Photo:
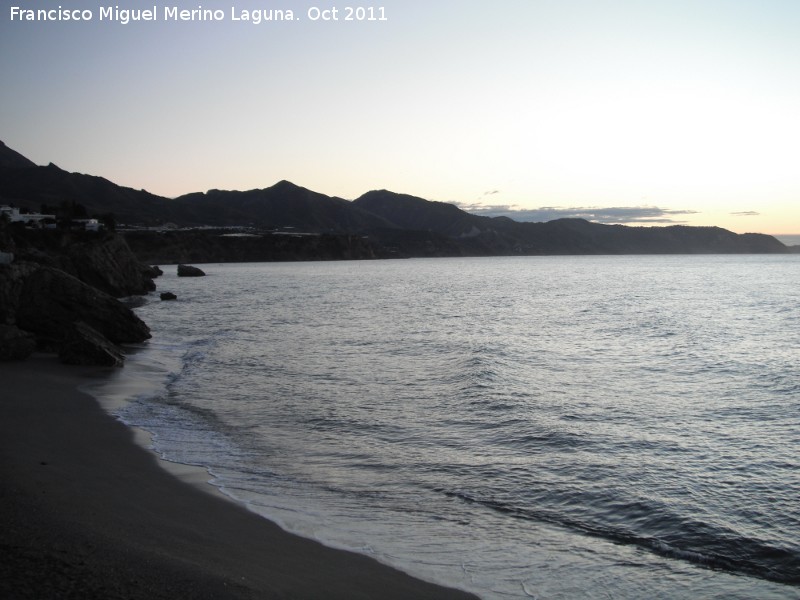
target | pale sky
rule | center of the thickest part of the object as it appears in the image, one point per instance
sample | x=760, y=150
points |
x=681, y=111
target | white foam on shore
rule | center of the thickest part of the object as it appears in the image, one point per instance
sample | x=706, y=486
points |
x=140, y=377
x=146, y=375
x=194, y=475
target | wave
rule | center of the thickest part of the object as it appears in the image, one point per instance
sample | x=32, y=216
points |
x=700, y=544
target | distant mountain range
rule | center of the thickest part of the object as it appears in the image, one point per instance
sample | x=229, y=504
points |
x=395, y=224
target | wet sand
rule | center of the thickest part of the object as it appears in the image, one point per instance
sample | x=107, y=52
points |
x=86, y=513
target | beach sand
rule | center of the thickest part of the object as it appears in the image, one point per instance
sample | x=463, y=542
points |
x=86, y=513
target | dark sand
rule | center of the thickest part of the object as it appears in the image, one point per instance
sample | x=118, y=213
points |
x=86, y=513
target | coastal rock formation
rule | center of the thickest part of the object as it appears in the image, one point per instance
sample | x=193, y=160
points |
x=110, y=266
x=83, y=345
x=57, y=294
x=189, y=271
x=168, y=296
x=51, y=301
x=102, y=260
x=209, y=246
x=12, y=278
x=44, y=304
x=15, y=344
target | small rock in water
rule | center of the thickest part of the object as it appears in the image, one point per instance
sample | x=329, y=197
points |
x=189, y=271
x=168, y=296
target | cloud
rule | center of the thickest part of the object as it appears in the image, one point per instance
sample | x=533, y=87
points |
x=642, y=215
x=746, y=213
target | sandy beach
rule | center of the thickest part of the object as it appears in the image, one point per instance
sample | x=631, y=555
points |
x=88, y=514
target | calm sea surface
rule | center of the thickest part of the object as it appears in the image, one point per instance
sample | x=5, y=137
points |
x=548, y=427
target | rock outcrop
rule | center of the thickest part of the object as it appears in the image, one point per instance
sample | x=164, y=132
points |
x=168, y=296
x=190, y=271
x=102, y=260
x=51, y=301
x=84, y=345
x=109, y=266
x=48, y=304
x=59, y=290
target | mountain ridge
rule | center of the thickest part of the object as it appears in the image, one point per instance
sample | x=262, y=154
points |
x=12, y=158
x=397, y=224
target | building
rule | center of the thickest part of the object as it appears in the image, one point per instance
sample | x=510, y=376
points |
x=30, y=219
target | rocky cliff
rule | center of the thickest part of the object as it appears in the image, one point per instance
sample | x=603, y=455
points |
x=205, y=246
x=59, y=294
x=100, y=259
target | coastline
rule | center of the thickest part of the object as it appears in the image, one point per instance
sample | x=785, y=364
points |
x=88, y=513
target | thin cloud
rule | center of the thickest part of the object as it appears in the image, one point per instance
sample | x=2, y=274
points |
x=746, y=213
x=642, y=215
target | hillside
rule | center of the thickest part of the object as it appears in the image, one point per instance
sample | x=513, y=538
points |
x=389, y=224
x=284, y=205
x=34, y=186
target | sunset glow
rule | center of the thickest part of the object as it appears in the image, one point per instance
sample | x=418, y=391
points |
x=686, y=107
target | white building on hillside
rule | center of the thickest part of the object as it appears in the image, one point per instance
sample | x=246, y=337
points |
x=37, y=219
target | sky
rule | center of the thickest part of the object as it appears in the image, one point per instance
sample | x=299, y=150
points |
x=619, y=111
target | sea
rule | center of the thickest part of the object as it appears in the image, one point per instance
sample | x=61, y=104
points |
x=519, y=427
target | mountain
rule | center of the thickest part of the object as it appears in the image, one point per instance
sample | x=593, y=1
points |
x=13, y=159
x=409, y=212
x=284, y=205
x=503, y=236
x=392, y=224
x=34, y=186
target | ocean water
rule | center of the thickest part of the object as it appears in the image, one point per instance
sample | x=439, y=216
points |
x=789, y=240
x=540, y=427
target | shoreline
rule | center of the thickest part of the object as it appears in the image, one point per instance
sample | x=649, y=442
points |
x=90, y=513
